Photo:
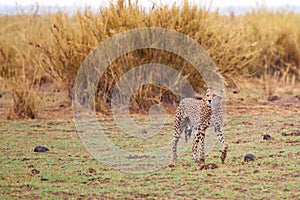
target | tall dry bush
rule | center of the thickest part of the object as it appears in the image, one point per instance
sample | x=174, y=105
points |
x=74, y=37
x=23, y=105
x=19, y=61
x=24, y=98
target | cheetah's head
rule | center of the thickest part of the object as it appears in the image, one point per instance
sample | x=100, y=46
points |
x=212, y=95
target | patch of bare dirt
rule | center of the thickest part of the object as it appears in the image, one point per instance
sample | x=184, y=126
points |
x=53, y=103
x=293, y=101
x=293, y=133
x=284, y=105
x=208, y=166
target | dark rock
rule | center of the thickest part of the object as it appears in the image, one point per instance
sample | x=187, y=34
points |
x=40, y=149
x=249, y=157
x=267, y=137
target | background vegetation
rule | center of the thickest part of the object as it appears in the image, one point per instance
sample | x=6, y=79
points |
x=36, y=48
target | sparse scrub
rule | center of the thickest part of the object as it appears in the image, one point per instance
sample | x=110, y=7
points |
x=24, y=104
x=24, y=99
x=20, y=65
x=278, y=35
x=24, y=94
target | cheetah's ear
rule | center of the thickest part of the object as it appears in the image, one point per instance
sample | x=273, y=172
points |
x=208, y=91
x=222, y=91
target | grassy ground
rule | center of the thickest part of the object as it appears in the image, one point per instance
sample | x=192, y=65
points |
x=69, y=171
x=38, y=51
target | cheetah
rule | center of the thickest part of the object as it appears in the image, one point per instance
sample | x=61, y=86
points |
x=199, y=114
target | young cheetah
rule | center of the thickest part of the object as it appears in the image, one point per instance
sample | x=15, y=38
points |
x=198, y=115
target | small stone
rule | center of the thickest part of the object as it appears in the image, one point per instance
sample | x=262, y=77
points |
x=35, y=171
x=283, y=134
x=91, y=170
x=44, y=179
x=40, y=149
x=30, y=166
x=171, y=165
x=273, y=98
x=295, y=133
x=288, y=124
x=267, y=137
x=249, y=157
x=255, y=171
x=208, y=166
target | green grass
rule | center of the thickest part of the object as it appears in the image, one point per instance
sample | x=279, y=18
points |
x=66, y=170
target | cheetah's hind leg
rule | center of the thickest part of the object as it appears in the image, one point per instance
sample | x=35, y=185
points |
x=187, y=130
x=178, y=128
x=188, y=133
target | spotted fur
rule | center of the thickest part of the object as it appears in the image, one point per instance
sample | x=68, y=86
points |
x=193, y=115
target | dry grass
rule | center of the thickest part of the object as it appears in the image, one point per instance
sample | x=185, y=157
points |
x=24, y=105
x=260, y=43
x=24, y=97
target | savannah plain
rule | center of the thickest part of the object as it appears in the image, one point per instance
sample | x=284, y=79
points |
x=257, y=54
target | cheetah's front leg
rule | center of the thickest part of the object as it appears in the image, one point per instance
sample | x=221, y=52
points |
x=221, y=138
x=199, y=137
x=175, y=141
x=178, y=128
